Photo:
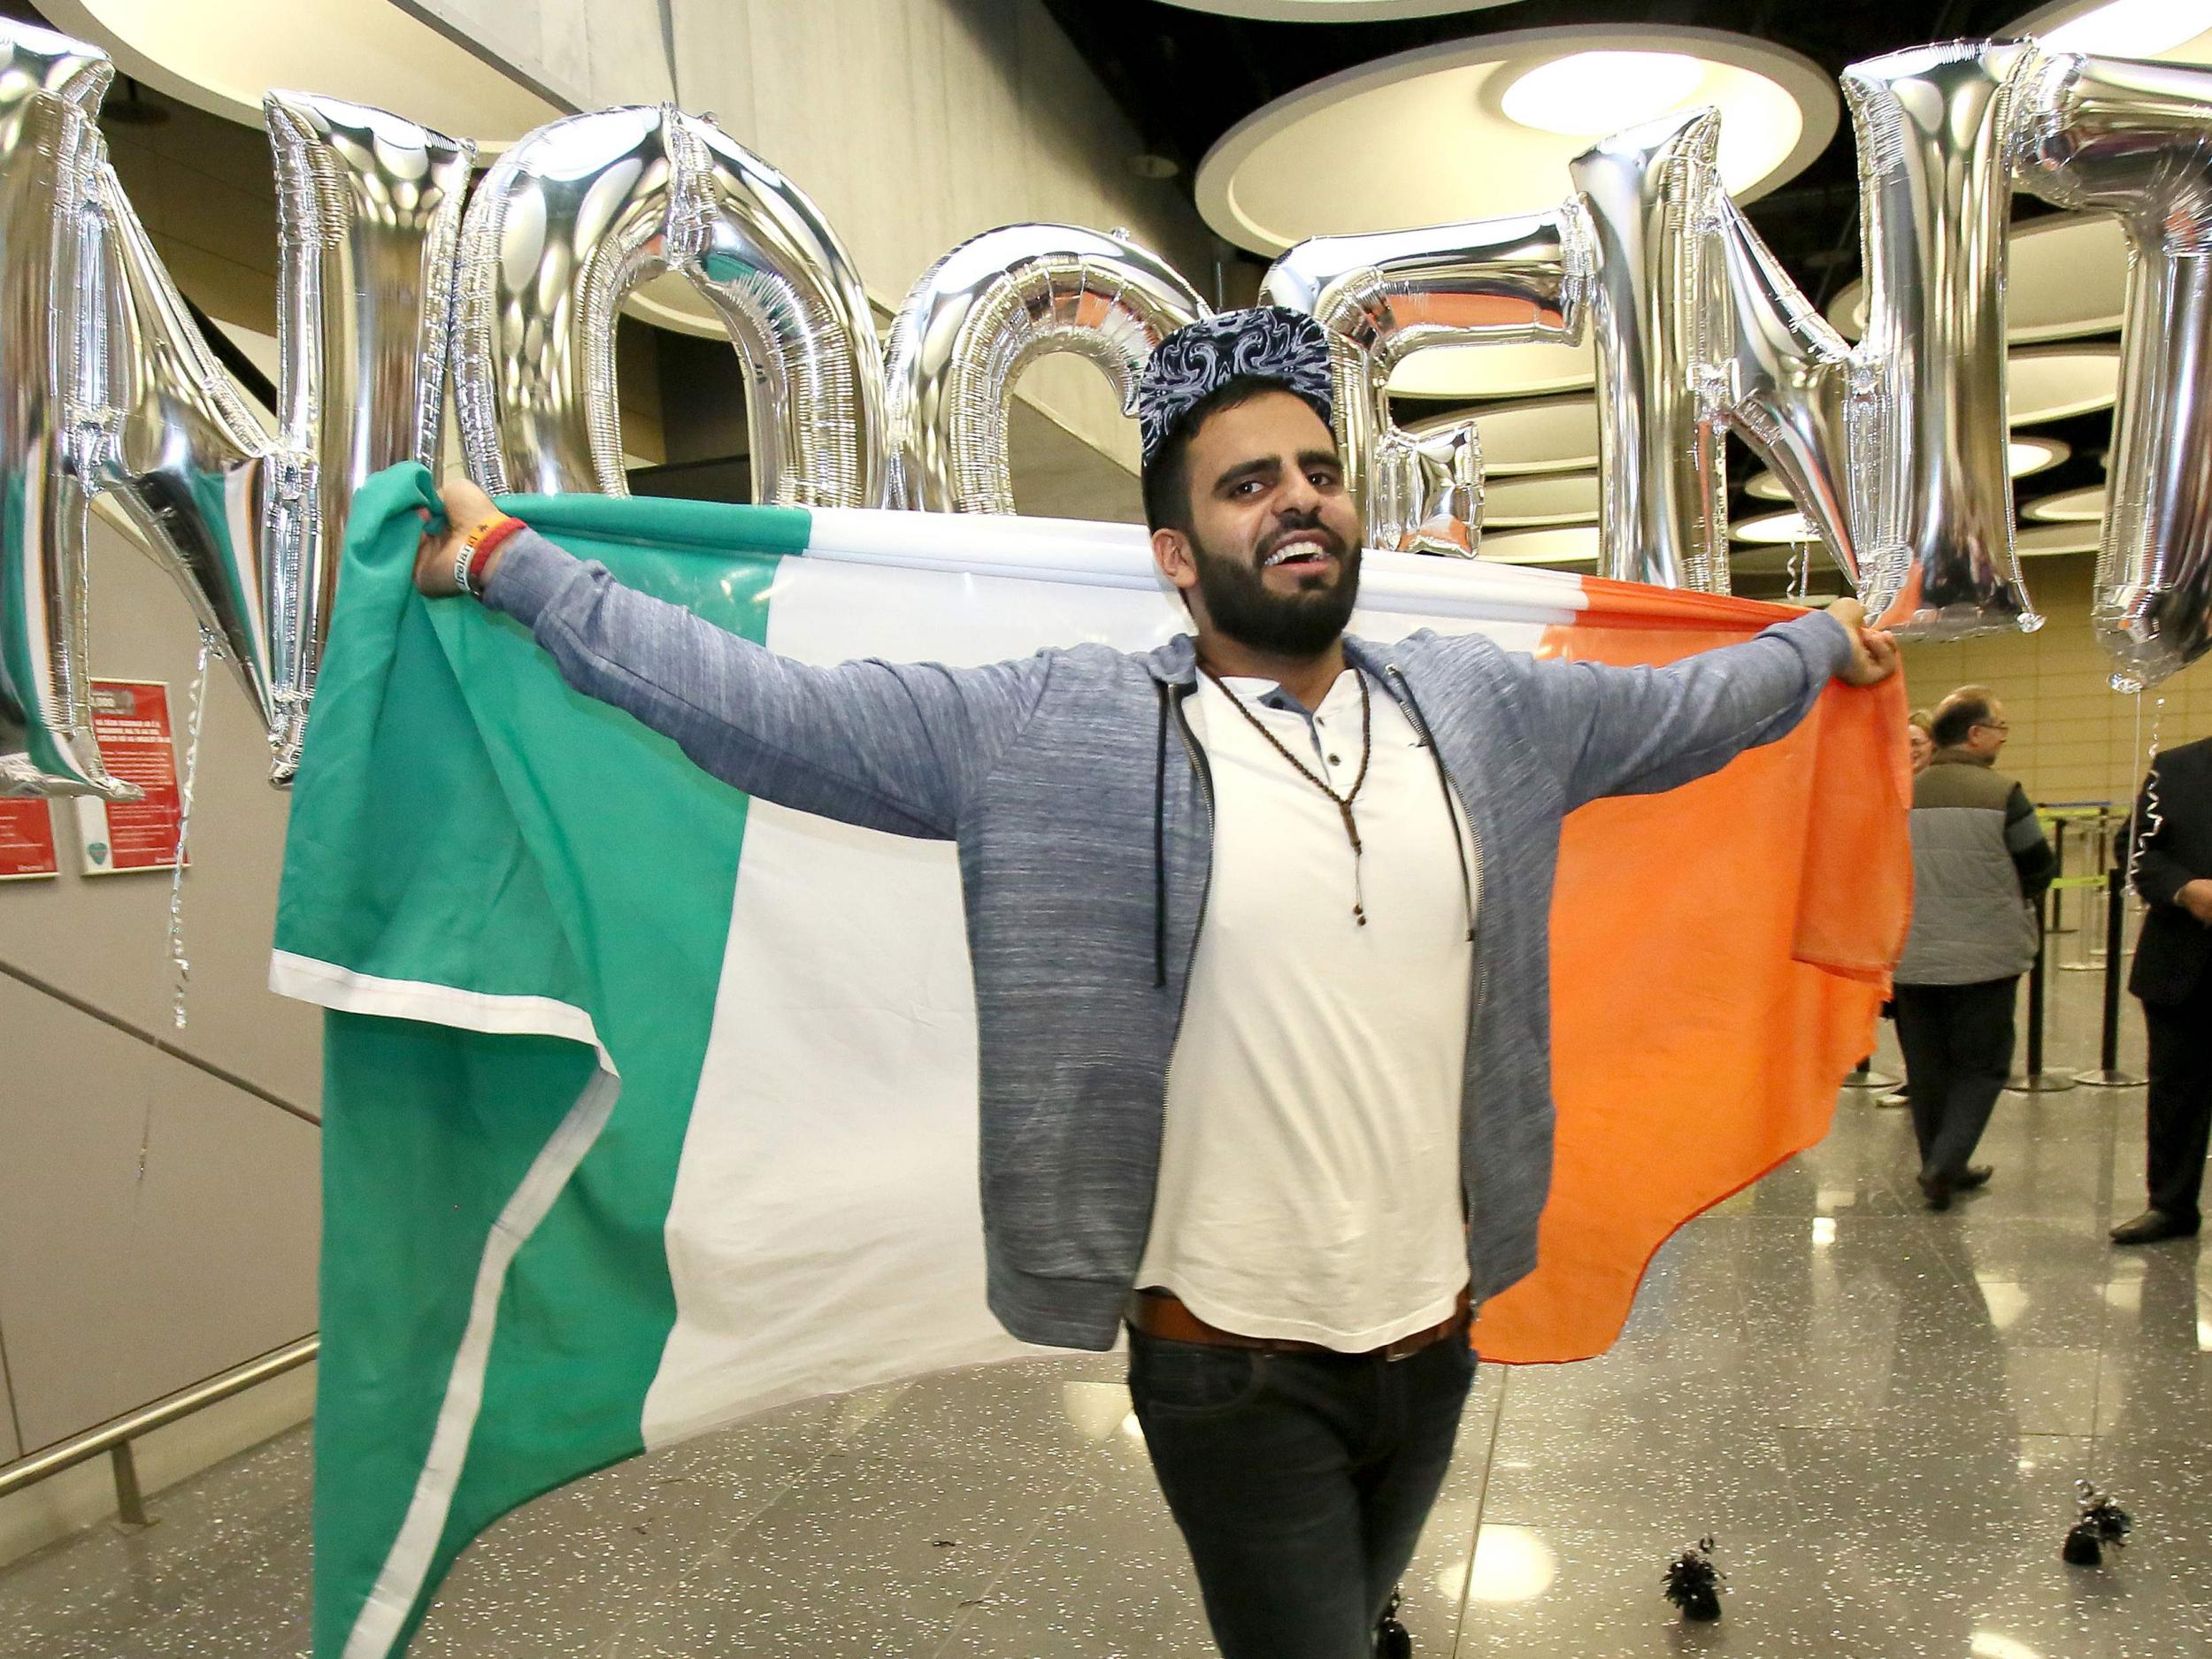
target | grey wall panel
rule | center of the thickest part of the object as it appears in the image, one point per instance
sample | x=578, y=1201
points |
x=157, y=1225
x=104, y=939
x=995, y=118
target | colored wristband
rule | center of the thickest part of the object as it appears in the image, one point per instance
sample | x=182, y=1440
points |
x=477, y=548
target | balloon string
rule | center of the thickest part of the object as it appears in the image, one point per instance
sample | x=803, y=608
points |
x=180, y=964
x=2153, y=816
x=79, y=625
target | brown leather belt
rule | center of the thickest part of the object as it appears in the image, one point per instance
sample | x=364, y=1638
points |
x=1161, y=1313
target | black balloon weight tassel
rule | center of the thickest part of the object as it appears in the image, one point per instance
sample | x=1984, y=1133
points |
x=1693, y=1583
x=1390, y=1640
x=2101, y=1522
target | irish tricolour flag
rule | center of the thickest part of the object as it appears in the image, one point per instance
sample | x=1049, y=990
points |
x=649, y=1106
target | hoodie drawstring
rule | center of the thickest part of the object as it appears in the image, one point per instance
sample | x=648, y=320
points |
x=1444, y=783
x=1159, y=846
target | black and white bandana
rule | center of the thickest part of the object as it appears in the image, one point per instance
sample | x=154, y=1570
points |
x=1266, y=342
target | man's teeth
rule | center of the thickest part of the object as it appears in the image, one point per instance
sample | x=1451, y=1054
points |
x=1295, y=550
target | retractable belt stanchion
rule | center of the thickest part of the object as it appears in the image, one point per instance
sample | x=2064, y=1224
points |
x=2109, y=1075
x=2059, y=823
x=2035, y=1079
x=2089, y=949
x=2107, y=862
x=2062, y=818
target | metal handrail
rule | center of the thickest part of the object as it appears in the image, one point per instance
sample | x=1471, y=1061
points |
x=114, y=1438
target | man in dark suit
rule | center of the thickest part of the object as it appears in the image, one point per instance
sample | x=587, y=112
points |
x=2173, y=872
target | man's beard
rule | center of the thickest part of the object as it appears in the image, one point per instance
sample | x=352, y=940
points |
x=1240, y=602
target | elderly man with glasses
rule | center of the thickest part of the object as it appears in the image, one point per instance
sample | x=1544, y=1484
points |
x=1979, y=865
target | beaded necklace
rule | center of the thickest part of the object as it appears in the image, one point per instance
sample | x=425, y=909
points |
x=1343, y=803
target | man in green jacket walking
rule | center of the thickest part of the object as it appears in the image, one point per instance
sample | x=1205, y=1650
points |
x=1981, y=865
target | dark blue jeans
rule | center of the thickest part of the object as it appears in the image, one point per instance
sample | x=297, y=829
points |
x=1300, y=1480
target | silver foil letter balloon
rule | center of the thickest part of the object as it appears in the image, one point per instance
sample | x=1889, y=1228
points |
x=185, y=458
x=1895, y=450
x=49, y=86
x=1936, y=191
x=1386, y=295
x=368, y=214
x=1662, y=508
x=2135, y=140
x=979, y=315
x=1699, y=332
x=1771, y=369
x=248, y=523
x=1425, y=490
x=582, y=210
x=566, y=223
x=766, y=259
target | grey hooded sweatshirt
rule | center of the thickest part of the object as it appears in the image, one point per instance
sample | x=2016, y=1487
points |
x=1079, y=802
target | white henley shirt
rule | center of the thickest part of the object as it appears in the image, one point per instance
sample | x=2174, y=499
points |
x=1309, y=1169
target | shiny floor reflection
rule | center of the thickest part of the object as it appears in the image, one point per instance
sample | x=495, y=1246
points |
x=1880, y=1413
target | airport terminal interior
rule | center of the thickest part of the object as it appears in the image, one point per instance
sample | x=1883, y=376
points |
x=1877, y=1414
x=472, y=1188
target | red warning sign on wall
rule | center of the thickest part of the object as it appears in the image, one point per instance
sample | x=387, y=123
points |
x=26, y=840
x=130, y=723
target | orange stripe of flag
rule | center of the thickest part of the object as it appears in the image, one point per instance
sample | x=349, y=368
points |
x=1719, y=954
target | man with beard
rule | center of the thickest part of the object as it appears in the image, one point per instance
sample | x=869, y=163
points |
x=1258, y=922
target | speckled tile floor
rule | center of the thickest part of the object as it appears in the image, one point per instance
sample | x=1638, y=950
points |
x=1879, y=1412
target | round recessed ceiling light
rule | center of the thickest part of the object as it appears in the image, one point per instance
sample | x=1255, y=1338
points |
x=2053, y=383
x=2031, y=454
x=2065, y=275
x=1335, y=10
x=362, y=52
x=1470, y=372
x=1774, y=527
x=2038, y=540
x=2124, y=28
x=2071, y=506
x=2070, y=534
x=2025, y=455
x=1591, y=94
x=1540, y=498
x=1424, y=137
x=1576, y=545
x=1550, y=434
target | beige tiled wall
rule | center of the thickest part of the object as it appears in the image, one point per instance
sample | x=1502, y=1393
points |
x=2073, y=737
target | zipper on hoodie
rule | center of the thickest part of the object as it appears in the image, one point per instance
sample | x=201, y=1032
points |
x=1412, y=707
x=1204, y=769
x=1200, y=766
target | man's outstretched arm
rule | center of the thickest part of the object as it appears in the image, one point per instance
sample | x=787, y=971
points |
x=1635, y=731
x=896, y=747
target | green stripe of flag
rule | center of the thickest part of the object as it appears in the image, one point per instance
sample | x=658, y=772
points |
x=507, y=783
